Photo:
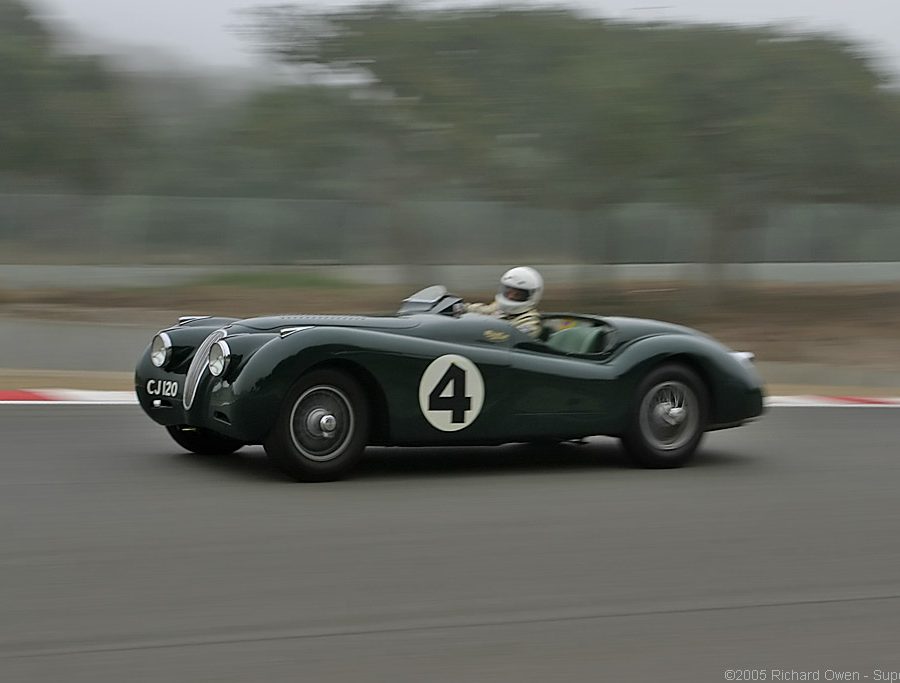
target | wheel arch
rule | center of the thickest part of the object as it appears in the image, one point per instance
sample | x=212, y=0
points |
x=635, y=439
x=695, y=364
x=379, y=424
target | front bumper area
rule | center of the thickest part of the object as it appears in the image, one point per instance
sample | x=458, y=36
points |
x=213, y=408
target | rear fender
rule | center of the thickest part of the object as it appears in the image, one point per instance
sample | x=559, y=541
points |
x=733, y=390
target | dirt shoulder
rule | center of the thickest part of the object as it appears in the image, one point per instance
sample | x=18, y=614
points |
x=850, y=326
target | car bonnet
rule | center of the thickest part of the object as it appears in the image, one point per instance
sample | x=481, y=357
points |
x=277, y=322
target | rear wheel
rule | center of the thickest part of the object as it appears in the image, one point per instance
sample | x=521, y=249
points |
x=203, y=441
x=322, y=427
x=668, y=418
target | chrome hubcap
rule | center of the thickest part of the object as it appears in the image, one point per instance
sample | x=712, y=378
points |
x=669, y=415
x=322, y=423
x=328, y=424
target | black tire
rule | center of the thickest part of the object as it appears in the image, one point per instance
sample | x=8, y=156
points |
x=304, y=443
x=203, y=441
x=658, y=436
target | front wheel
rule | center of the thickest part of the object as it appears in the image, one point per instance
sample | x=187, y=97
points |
x=321, y=429
x=668, y=418
x=203, y=441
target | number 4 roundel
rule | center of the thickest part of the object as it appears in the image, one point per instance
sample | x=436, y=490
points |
x=451, y=393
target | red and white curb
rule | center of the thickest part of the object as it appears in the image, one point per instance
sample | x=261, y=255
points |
x=67, y=397
x=80, y=397
x=831, y=402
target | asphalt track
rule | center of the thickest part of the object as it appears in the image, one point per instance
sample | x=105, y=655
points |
x=124, y=559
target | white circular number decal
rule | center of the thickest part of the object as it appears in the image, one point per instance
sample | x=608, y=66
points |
x=451, y=393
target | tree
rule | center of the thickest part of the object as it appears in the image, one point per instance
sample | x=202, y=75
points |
x=764, y=117
x=553, y=108
x=61, y=117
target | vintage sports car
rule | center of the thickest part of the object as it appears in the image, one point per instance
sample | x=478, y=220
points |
x=315, y=390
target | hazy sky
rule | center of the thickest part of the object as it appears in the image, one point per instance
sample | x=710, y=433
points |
x=199, y=29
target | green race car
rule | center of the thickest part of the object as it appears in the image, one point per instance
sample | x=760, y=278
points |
x=315, y=390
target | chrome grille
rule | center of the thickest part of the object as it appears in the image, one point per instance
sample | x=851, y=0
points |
x=198, y=367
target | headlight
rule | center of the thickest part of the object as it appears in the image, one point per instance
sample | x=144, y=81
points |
x=219, y=356
x=160, y=350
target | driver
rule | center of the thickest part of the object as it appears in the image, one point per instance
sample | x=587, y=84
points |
x=516, y=300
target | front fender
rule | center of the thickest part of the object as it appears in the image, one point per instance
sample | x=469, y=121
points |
x=256, y=393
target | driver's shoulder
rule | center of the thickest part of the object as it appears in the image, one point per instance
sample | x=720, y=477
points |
x=530, y=322
x=482, y=308
x=531, y=315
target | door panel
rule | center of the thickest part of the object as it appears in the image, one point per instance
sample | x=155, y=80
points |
x=445, y=393
x=558, y=393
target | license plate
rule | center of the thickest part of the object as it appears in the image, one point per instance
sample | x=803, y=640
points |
x=162, y=387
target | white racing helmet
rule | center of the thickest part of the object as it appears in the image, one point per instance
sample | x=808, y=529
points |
x=520, y=289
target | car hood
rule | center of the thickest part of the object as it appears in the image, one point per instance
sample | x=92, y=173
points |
x=274, y=323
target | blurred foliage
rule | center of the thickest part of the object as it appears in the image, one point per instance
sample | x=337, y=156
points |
x=551, y=108
x=61, y=116
x=548, y=108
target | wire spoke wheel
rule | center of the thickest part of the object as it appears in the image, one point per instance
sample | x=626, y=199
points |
x=669, y=415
